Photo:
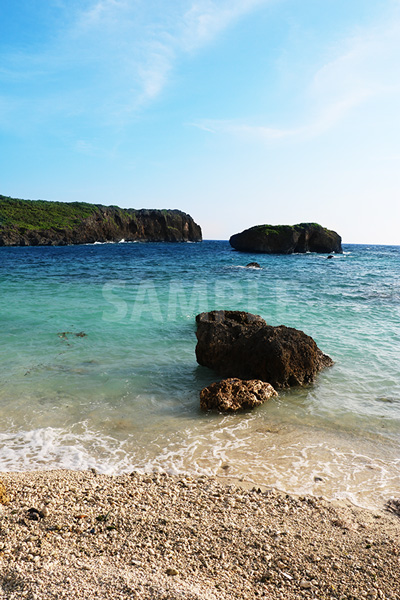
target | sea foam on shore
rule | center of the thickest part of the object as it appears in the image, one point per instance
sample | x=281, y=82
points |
x=125, y=395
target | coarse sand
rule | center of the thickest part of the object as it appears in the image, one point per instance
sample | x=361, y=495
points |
x=81, y=535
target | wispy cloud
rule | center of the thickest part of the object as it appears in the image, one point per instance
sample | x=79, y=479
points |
x=363, y=68
x=115, y=56
x=193, y=27
x=329, y=116
x=205, y=19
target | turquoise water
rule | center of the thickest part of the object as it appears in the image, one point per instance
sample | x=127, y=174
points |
x=124, y=394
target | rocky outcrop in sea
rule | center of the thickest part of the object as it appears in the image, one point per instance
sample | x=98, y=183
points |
x=243, y=345
x=287, y=239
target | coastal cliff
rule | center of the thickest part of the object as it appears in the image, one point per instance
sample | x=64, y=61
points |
x=43, y=223
x=287, y=239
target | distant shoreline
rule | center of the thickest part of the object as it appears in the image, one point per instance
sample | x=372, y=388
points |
x=44, y=223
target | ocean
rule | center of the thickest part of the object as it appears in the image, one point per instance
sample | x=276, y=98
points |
x=98, y=368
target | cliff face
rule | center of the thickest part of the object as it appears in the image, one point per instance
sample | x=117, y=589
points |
x=40, y=223
x=287, y=239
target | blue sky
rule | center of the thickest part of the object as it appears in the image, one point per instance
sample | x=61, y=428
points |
x=237, y=112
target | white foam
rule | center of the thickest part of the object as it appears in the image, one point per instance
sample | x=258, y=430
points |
x=51, y=448
x=262, y=454
x=247, y=268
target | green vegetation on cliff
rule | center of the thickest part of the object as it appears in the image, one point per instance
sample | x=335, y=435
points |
x=279, y=229
x=41, y=214
x=40, y=222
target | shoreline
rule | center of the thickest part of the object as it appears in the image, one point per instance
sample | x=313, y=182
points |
x=169, y=537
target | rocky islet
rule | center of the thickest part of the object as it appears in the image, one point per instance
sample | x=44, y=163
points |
x=287, y=239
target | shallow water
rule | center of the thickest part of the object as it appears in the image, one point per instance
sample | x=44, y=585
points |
x=124, y=395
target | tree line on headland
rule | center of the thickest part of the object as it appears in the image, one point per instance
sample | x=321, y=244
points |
x=44, y=223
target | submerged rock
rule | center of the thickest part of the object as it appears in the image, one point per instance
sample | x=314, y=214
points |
x=287, y=239
x=240, y=344
x=230, y=395
x=393, y=506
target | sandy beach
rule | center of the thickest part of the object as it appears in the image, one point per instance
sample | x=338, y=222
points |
x=67, y=534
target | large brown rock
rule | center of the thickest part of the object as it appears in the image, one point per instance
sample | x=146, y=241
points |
x=239, y=344
x=287, y=239
x=230, y=395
